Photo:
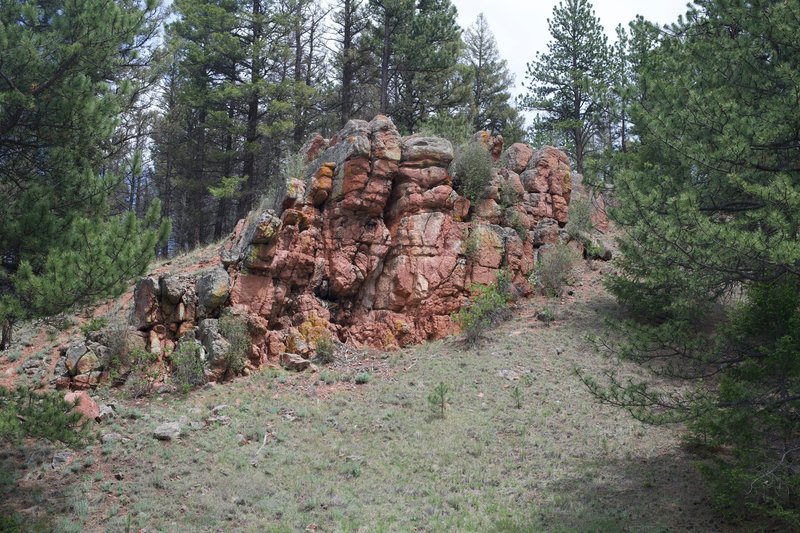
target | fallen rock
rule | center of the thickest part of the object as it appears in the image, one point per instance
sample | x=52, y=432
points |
x=61, y=458
x=168, y=431
x=84, y=404
x=292, y=361
x=108, y=438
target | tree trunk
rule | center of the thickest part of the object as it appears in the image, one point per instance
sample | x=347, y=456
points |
x=385, y=56
x=299, y=126
x=251, y=133
x=5, y=340
x=347, y=63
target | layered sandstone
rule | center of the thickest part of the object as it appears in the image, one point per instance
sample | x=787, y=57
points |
x=375, y=247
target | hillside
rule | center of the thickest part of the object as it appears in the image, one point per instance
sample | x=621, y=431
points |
x=356, y=447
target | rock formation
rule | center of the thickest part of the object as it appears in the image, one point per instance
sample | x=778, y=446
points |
x=375, y=247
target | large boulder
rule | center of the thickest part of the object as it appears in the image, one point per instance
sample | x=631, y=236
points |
x=213, y=290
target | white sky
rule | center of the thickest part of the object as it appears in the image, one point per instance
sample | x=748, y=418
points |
x=520, y=26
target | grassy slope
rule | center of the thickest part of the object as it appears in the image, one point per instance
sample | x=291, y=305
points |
x=372, y=457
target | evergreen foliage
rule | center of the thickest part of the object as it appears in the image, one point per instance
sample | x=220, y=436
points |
x=64, y=81
x=24, y=413
x=490, y=81
x=711, y=260
x=568, y=85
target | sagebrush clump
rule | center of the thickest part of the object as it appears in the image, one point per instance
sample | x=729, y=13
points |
x=554, y=270
x=472, y=168
x=489, y=305
x=580, y=225
x=187, y=366
x=234, y=329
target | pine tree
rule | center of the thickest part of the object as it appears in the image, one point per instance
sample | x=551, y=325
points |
x=490, y=80
x=352, y=58
x=62, y=90
x=711, y=259
x=568, y=85
x=418, y=45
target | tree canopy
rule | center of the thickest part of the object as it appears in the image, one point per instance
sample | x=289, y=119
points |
x=711, y=259
x=62, y=90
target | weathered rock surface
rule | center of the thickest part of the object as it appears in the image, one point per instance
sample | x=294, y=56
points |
x=168, y=431
x=375, y=247
x=84, y=404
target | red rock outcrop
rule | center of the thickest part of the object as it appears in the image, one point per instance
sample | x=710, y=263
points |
x=375, y=247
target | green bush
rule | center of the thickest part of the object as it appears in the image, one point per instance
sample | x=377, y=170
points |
x=489, y=305
x=25, y=413
x=187, y=366
x=555, y=269
x=94, y=324
x=518, y=225
x=472, y=168
x=580, y=226
x=516, y=396
x=471, y=244
x=363, y=378
x=326, y=351
x=546, y=315
x=437, y=399
x=293, y=167
x=234, y=329
x=137, y=373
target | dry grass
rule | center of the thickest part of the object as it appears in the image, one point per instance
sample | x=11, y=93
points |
x=373, y=457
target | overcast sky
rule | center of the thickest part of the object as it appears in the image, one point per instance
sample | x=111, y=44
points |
x=520, y=26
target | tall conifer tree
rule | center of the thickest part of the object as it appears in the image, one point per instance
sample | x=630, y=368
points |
x=568, y=85
x=62, y=89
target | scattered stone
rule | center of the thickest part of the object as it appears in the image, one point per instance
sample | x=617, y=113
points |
x=110, y=437
x=217, y=409
x=220, y=419
x=62, y=458
x=292, y=361
x=106, y=412
x=84, y=404
x=168, y=431
x=510, y=375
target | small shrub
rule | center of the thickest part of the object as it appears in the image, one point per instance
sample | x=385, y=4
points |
x=516, y=395
x=139, y=373
x=363, y=378
x=579, y=226
x=595, y=250
x=472, y=168
x=293, y=167
x=327, y=378
x=326, y=351
x=94, y=324
x=437, y=399
x=507, y=195
x=234, y=329
x=546, y=315
x=187, y=367
x=555, y=270
x=472, y=244
x=518, y=225
x=488, y=306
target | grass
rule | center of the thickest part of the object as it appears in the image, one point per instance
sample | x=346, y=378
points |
x=322, y=449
